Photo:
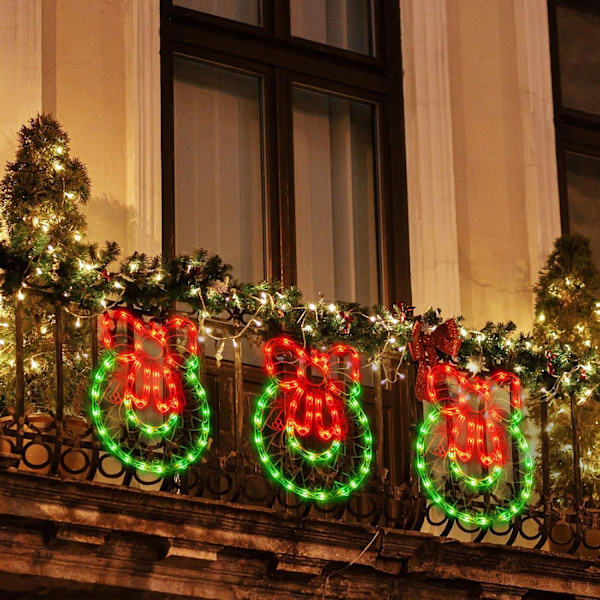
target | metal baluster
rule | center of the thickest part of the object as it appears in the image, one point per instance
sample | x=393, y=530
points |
x=378, y=399
x=20, y=377
x=19, y=361
x=238, y=390
x=577, y=475
x=545, y=471
x=58, y=351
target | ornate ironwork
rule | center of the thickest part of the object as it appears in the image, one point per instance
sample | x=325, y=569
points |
x=57, y=443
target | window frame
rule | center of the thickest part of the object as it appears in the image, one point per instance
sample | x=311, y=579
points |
x=282, y=61
x=576, y=131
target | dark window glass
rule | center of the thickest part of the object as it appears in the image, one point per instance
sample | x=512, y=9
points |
x=583, y=189
x=578, y=26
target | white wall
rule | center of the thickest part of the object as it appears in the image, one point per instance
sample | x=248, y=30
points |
x=95, y=66
x=483, y=197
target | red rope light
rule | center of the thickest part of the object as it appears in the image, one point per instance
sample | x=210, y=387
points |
x=313, y=398
x=471, y=430
x=152, y=353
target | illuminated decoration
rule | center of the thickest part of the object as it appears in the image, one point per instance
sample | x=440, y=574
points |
x=472, y=457
x=310, y=431
x=148, y=405
x=423, y=348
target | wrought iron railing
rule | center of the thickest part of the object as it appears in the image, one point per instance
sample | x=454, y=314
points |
x=59, y=441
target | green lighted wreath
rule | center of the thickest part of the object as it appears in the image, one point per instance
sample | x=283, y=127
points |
x=148, y=405
x=310, y=431
x=468, y=421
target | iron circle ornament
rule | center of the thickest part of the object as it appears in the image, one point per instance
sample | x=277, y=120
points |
x=148, y=405
x=473, y=460
x=310, y=431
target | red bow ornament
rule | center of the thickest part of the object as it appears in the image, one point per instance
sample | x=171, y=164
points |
x=152, y=356
x=424, y=346
x=313, y=387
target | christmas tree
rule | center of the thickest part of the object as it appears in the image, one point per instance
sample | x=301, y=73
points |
x=568, y=328
x=47, y=264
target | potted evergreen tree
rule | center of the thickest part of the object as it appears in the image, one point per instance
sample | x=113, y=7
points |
x=49, y=265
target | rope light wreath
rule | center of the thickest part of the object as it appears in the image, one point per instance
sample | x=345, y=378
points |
x=148, y=405
x=467, y=443
x=310, y=430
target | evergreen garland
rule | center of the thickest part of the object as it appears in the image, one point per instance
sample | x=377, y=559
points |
x=45, y=259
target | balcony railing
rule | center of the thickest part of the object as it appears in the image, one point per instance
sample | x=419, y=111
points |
x=59, y=441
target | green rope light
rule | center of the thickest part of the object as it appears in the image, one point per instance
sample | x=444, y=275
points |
x=499, y=514
x=187, y=454
x=342, y=487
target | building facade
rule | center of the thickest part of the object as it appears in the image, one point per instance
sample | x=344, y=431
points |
x=429, y=127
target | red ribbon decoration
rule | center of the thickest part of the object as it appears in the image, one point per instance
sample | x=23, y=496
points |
x=313, y=404
x=152, y=353
x=471, y=428
x=424, y=346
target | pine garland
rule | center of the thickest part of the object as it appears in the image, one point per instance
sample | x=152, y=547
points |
x=46, y=252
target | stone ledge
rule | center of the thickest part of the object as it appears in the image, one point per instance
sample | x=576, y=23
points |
x=91, y=533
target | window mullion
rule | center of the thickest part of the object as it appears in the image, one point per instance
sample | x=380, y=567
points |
x=285, y=171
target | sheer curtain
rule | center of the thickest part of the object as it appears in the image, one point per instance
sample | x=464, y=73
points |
x=218, y=165
x=336, y=218
x=343, y=24
x=245, y=11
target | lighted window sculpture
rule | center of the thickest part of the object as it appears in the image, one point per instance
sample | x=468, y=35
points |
x=472, y=457
x=147, y=402
x=310, y=431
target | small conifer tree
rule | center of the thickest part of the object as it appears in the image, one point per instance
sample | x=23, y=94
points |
x=567, y=325
x=46, y=261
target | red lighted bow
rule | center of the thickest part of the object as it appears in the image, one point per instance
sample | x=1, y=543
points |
x=424, y=346
x=313, y=399
x=152, y=353
x=474, y=415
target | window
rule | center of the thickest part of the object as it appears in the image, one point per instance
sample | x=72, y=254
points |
x=283, y=142
x=575, y=49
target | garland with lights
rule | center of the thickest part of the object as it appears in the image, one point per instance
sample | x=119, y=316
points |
x=45, y=260
x=310, y=431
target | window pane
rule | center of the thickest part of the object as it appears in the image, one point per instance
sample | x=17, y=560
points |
x=345, y=24
x=245, y=11
x=218, y=165
x=336, y=225
x=583, y=188
x=578, y=25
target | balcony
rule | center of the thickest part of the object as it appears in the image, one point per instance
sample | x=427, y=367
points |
x=75, y=518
